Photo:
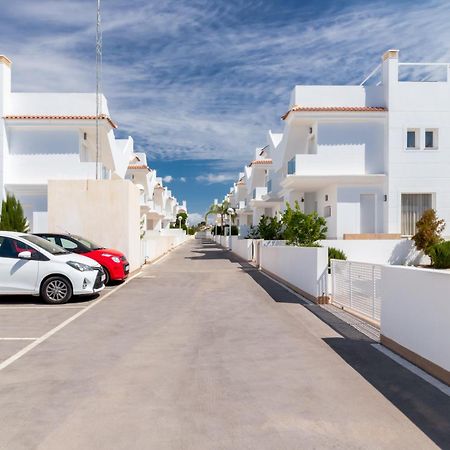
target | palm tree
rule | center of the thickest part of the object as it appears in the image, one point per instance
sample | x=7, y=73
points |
x=220, y=209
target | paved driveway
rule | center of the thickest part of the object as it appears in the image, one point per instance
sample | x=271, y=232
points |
x=203, y=352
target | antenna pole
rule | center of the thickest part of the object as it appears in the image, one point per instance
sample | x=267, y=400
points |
x=98, y=78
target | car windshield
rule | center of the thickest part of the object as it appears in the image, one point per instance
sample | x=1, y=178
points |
x=46, y=245
x=89, y=244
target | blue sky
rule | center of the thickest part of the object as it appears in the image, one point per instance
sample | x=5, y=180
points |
x=198, y=83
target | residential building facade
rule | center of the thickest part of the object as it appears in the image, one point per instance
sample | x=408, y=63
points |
x=369, y=158
x=53, y=136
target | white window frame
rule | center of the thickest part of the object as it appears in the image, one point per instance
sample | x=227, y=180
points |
x=417, y=132
x=433, y=206
x=435, y=139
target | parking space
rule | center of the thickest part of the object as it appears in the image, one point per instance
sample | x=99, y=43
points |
x=25, y=319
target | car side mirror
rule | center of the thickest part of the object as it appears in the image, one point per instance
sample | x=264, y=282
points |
x=24, y=255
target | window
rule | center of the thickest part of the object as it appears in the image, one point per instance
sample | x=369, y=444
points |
x=10, y=248
x=69, y=245
x=291, y=166
x=327, y=211
x=413, y=206
x=431, y=139
x=412, y=139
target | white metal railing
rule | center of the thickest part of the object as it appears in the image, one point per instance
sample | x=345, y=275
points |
x=356, y=287
x=423, y=72
x=371, y=75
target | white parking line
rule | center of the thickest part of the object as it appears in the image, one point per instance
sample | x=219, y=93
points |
x=17, y=339
x=59, y=327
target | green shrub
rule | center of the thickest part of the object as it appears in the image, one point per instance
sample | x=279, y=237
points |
x=335, y=253
x=253, y=233
x=270, y=228
x=302, y=229
x=12, y=216
x=440, y=255
x=429, y=230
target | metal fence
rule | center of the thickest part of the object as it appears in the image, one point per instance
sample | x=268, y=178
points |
x=356, y=287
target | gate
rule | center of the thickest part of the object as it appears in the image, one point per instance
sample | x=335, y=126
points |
x=356, y=287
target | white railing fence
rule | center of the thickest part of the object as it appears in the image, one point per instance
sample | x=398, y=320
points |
x=356, y=287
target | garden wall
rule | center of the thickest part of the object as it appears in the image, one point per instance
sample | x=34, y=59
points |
x=395, y=252
x=153, y=246
x=242, y=247
x=415, y=317
x=305, y=269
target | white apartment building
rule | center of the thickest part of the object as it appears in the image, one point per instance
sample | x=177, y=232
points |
x=369, y=158
x=159, y=208
x=52, y=136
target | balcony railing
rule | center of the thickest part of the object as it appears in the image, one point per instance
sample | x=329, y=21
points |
x=259, y=192
x=329, y=160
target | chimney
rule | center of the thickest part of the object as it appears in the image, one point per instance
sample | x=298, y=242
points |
x=5, y=84
x=389, y=74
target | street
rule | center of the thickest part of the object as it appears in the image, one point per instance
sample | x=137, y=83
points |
x=202, y=351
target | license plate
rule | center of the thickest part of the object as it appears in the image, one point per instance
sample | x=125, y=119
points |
x=127, y=267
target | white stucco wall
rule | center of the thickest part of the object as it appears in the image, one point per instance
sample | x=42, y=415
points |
x=58, y=103
x=379, y=251
x=106, y=211
x=242, y=247
x=415, y=311
x=302, y=267
x=337, y=96
x=416, y=105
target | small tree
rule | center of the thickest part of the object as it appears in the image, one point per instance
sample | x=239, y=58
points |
x=270, y=228
x=12, y=217
x=428, y=231
x=302, y=229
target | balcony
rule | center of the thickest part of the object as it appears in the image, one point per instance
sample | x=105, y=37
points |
x=330, y=160
x=154, y=209
x=258, y=193
x=330, y=165
x=242, y=204
x=38, y=169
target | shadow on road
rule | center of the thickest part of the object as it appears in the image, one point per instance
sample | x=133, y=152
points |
x=426, y=406
x=23, y=300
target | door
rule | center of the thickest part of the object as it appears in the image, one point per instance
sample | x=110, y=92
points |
x=367, y=213
x=17, y=276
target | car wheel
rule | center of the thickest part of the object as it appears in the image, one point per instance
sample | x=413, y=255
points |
x=107, y=276
x=56, y=290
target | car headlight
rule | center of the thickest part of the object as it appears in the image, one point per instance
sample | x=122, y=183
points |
x=116, y=259
x=80, y=266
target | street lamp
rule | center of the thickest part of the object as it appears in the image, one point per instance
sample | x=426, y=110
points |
x=230, y=212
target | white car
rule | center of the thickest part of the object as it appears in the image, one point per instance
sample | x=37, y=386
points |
x=32, y=265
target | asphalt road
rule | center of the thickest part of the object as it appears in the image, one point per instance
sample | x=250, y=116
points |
x=202, y=351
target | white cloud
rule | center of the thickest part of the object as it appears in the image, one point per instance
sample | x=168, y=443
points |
x=212, y=178
x=195, y=218
x=168, y=179
x=209, y=94
x=183, y=179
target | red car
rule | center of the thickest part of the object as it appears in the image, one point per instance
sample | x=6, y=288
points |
x=114, y=263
